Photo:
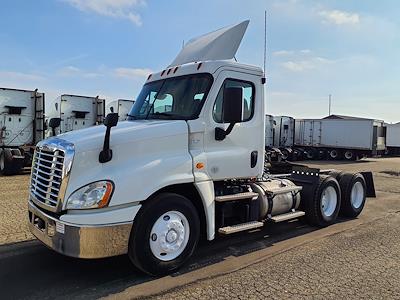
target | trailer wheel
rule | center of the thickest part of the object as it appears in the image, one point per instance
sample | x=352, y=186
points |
x=349, y=155
x=6, y=162
x=353, y=189
x=311, y=153
x=286, y=154
x=323, y=208
x=334, y=154
x=164, y=235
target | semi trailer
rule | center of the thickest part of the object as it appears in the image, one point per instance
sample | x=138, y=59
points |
x=188, y=164
x=121, y=106
x=73, y=112
x=21, y=127
x=393, y=139
x=340, y=137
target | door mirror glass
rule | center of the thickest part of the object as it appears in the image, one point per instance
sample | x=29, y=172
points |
x=232, y=105
x=111, y=120
x=54, y=122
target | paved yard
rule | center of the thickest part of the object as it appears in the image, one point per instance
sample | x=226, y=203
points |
x=362, y=263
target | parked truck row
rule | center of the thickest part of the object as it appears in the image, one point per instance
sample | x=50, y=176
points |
x=26, y=118
x=333, y=137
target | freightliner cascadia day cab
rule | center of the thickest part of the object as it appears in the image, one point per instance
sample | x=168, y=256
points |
x=21, y=127
x=73, y=112
x=187, y=164
x=121, y=106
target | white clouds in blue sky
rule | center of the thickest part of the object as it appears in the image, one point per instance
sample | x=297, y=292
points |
x=315, y=48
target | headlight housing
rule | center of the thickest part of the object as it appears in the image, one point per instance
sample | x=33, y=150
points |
x=93, y=195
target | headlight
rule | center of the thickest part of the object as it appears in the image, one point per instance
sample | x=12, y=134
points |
x=93, y=195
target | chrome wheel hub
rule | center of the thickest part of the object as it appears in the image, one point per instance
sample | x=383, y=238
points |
x=169, y=235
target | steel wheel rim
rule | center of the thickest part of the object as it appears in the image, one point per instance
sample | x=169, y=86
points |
x=169, y=235
x=333, y=154
x=329, y=201
x=348, y=155
x=357, y=195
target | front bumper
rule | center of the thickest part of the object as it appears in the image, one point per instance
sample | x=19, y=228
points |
x=83, y=241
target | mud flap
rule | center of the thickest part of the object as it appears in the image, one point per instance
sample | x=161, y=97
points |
x=369, y=181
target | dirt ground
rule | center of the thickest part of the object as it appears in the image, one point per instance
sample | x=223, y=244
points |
x=14, y=192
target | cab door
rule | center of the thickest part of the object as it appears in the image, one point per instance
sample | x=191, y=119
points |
x=241, y=153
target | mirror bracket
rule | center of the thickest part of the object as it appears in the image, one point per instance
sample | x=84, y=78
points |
x=221, y=134
x=106, y=154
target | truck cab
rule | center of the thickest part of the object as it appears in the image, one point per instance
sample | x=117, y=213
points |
x=187, y=164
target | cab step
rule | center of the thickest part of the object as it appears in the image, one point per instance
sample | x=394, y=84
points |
x=240, y=227
x=287, y=216
x=239, y=196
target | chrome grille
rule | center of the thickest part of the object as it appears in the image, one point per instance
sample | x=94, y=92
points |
x=47, y=175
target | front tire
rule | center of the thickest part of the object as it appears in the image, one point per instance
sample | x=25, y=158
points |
x=164, y=235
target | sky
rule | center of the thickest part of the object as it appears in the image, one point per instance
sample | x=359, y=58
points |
x=349, y=49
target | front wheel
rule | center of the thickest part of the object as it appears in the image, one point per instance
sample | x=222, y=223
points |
x=164, y=235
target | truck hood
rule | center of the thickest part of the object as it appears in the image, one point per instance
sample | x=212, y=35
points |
x=125, y=132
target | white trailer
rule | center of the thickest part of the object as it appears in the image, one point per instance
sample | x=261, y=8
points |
x=187, y=164
x=393, y=139
x=121, y=106
x=338, y=137
x=284, y=131
x=21, y=127
x=73, y=112
x=269, y=131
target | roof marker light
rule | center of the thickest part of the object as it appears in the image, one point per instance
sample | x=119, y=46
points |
x=149, y=76
x=176, y=69
x=169, y=71
x=162, y=73
x=199, y=66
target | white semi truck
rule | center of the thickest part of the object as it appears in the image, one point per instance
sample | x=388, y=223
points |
x=21, y=127
x=73, y=112
x=187, y=164
x=121, y=106
x=340, y=137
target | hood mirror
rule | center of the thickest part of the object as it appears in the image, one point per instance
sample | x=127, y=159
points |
x=106, y=154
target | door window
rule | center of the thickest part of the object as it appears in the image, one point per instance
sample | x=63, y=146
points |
x=248, y=99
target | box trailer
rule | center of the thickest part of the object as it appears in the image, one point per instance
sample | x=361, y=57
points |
x=73, y=112
x=284, y=131
x=21, y=127
x=153, y=186
x=121, y=106
x=338, y=137
x=393, y=139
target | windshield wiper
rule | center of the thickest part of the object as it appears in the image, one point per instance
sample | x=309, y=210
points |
x=165, y=114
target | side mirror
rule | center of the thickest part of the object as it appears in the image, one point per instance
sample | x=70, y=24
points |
x=111, y=120
x=106, y=154
x=232, y=110
x=232, y=105
x=53, y=124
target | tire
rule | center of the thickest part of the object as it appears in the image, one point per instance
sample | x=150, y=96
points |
x=353, y=189
x=149, y=248
x=337, y=175
x=286, y=154
x=7, y=166
x=350, y=155
x=323, y=208
x=334, y=154
x=311, y=154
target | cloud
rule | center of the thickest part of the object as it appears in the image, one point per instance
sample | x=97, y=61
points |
x=123, y=9
x=71, y=71
x=132, y=72
x=306, y=64
x=291, y=52
x=10, y=75
x=339, y=17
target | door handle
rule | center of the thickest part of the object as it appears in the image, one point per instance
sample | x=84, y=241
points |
x=253, y=158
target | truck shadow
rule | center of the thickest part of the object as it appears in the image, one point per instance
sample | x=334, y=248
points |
x=28, y=265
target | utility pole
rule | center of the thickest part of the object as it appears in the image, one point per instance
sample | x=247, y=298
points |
x=330, y=103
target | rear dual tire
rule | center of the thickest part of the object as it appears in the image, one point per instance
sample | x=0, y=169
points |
x=8, y=166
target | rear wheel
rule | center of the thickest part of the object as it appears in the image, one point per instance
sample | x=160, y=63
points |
x=7, y=167
x=164, y=235
x=353, y=189
x=349, y=155
x=334, y=154
x=323, y=209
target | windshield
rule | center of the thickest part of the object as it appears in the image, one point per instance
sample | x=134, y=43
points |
x=178, y=98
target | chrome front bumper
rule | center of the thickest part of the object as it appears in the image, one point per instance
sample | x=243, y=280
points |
x=90, y=241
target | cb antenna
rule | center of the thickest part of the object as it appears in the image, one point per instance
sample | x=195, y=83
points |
x=263, y=79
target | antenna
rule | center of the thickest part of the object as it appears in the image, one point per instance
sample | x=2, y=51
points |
x=263, y=80
x=330, y=103
x=183, y=44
